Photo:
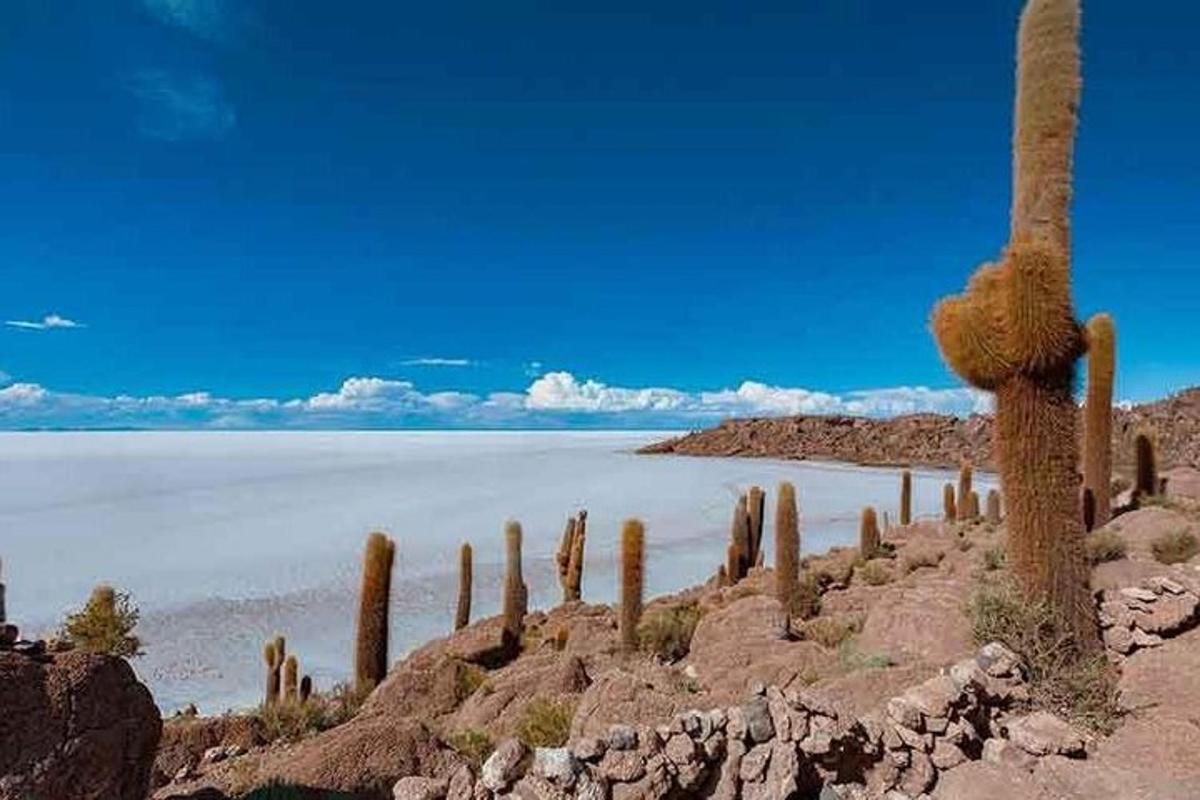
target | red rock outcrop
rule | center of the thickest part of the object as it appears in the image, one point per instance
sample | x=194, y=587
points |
x=74, y=726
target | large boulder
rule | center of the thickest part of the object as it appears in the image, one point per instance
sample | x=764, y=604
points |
x=75, y=726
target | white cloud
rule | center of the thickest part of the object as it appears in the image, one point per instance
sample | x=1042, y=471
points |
x=214, y=20
x=437, y=362
x=48, y=322
x=178, y=107
x=552, y=400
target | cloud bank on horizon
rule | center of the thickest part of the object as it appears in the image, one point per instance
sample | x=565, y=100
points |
x=552, y=400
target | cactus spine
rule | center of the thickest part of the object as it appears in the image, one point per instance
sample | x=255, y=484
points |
x=1147, y=468
x=1013, y=332
x=371, y=642
x=1097, y=415
x=787, y=545
x=633, y=568
x=291, y=676
x=868, y=534
x=271, y=696
x=949, y=512
x=515, y=598
x=993, y=507
x=755, y=509
x=906, y=498
x=965, y=474
x=462, y=614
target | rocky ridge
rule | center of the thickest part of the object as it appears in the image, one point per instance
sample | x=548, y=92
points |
x=932, y=440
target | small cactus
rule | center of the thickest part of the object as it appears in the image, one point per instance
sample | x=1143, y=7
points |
x=271, y=696
x=462, y=614
x=906, y=498
x=515, y=591
x=949, y=512
x=562, y=558
x=755, y=510
x=1097, y=415
x=633, y=568
x=305, y=689
x=3, y=618
x=964, y=493
x=371, y=641
x=868, y=534
x=280, y=657
x=1147, y=470
x=787, y=546
x=291, y=675
x=722, y=576
x=973, y=506
x=993, y=507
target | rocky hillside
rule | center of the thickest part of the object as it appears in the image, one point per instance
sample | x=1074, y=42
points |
x=928, y=439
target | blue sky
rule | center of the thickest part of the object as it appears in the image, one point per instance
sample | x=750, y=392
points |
x=276, y=213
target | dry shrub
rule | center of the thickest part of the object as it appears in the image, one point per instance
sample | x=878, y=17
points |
x=667, y=633
x=1105, y=546
x=830, y=632
x=292, y=720
x=875, y=572
x=473, y=745
x=994, y=558
x=1063, y=678
x=806, y=599
x=1175, y=547
x=545, y=723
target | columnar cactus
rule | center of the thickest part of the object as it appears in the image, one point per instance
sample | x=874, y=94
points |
x=574, y=587
x=949, y=512
x=371, y=641
x=280, y=657
x=515, y=597
x=271, y=696
x=1097, y=415
x=973, y=506
x=3, y=618
x=462, y=614
x=306, y=688
x=755, y=509
x=993, y=507
x=1013, y=332
x=787, y=545
x=562, y=558
x=1088, y=500
x=868, y=534
x=963, y=501
x=739, y=537
x=1146, y=483
x=633, y=568
x=906, y=498
x=291, y=679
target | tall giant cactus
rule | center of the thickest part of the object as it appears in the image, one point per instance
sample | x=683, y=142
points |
x=1013, y=332
x=1097, y=420
x=374, y=601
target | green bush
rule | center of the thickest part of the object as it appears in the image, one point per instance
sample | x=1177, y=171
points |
x=545, y=723
x=1104, y=545
x=105, y=624
x=473, y=745
x=1175, y=547
x=668, y=633
x=1064, y=679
